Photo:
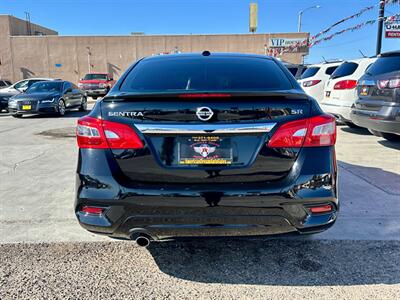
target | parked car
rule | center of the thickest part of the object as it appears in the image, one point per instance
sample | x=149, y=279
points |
x=19, y=87
x=295, y=69
x=340, y=90
x=314, y=78
x=378, y=106
x=206, y=144
x=4, y=83
x=48, y=97
x=96, y=84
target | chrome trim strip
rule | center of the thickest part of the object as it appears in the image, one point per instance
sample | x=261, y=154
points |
x=204, y=128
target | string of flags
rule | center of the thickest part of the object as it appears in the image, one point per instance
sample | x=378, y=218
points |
x=313, y=40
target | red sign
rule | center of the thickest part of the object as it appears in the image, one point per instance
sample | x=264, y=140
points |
x=392, y=29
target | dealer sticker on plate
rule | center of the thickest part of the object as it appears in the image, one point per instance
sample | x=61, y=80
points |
x=207, y=150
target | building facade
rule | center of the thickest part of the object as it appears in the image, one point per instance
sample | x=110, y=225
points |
x=45, y=53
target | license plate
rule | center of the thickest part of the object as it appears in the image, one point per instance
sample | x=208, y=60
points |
x=204, y=150
x=26, y=107
x=328, y=94
x=364, y=91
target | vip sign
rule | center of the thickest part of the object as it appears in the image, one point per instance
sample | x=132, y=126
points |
x=392, y=29
x=284, y=43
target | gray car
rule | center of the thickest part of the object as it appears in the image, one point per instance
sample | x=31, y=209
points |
x=48, y=97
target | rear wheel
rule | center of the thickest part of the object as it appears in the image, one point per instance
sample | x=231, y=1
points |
x=83, y=106
x=61, y=108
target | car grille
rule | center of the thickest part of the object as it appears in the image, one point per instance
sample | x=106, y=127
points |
x=88, y=86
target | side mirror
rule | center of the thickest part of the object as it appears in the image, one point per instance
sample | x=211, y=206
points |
x=69, y=90
x=111, y=78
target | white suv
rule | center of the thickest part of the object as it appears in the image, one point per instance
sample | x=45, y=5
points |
x=21, y=86
x=340, y=90
x=313, y=79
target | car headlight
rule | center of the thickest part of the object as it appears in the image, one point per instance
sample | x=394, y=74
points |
x=49, y=100
x=102, y=85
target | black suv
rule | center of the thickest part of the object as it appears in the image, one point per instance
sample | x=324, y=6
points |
x=378, y=106
x=206, y=145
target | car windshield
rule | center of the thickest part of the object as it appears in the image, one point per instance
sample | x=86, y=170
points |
x=385, y=65
x=345, y=69
x=205, y=74
x=311, y=71
x=95, y=77
x=44, y=87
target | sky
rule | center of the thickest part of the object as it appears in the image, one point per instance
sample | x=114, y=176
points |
x=121, y=17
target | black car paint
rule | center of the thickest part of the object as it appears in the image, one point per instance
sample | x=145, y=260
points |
x=73, y=98
x=269, y=194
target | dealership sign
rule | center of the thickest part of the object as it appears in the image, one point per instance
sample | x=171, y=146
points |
x=284, y=43
x=392, y=29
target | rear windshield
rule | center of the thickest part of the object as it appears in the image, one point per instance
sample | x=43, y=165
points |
x=384, y=65
x=311, y=71
x=345, y=69
x=95, y=77
x=330, y=70
x=205, y=74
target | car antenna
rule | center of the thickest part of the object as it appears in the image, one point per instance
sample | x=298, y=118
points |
x=324, y=59
x=362, y=53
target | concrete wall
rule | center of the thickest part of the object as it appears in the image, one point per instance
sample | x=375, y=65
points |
x=66, y=57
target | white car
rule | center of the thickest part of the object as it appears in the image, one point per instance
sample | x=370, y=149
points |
x=340, y=90
x=313, y=79
x=21, y=86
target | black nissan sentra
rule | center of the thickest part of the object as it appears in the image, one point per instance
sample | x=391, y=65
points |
x=206, y=144
x=46, y=97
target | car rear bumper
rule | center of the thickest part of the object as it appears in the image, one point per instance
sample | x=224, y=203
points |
x=386, y=119
x=341, y=112
x=214, y=210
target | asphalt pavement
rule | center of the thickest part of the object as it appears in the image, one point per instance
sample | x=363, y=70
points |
x=45, y=254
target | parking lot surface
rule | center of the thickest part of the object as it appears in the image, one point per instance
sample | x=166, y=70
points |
x=44, y=253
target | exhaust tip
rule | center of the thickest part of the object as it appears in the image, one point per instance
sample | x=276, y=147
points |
x=142, y=241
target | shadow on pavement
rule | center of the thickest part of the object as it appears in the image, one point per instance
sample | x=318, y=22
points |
x=280, y=262
x=68, y=114
x=359, y=131
x=393, y=145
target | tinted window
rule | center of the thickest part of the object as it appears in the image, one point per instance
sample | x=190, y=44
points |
x=2, y=83
x=67, y=85
x=205, y=74
x=385, y=65
x=330, y=70
x=345, y=69
x=95, y=77
x=304, y=69
x=293, y=71
x=311, y=71
x=44, y=87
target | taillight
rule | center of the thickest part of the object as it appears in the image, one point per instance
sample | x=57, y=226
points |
x=312, y=132
x=310, y=83
x=100, y=134
x=92, y=210
x=345, y=85
x=392, y=83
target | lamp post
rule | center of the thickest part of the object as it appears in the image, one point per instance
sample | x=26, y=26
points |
x=301, y=15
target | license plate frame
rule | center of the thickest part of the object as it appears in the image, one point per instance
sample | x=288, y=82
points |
x=204, y=150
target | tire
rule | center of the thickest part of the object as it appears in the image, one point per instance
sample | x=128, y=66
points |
x=351, y=125
x=17, y=116
x=391, y=137
x=61, y=108
x=83, y=106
